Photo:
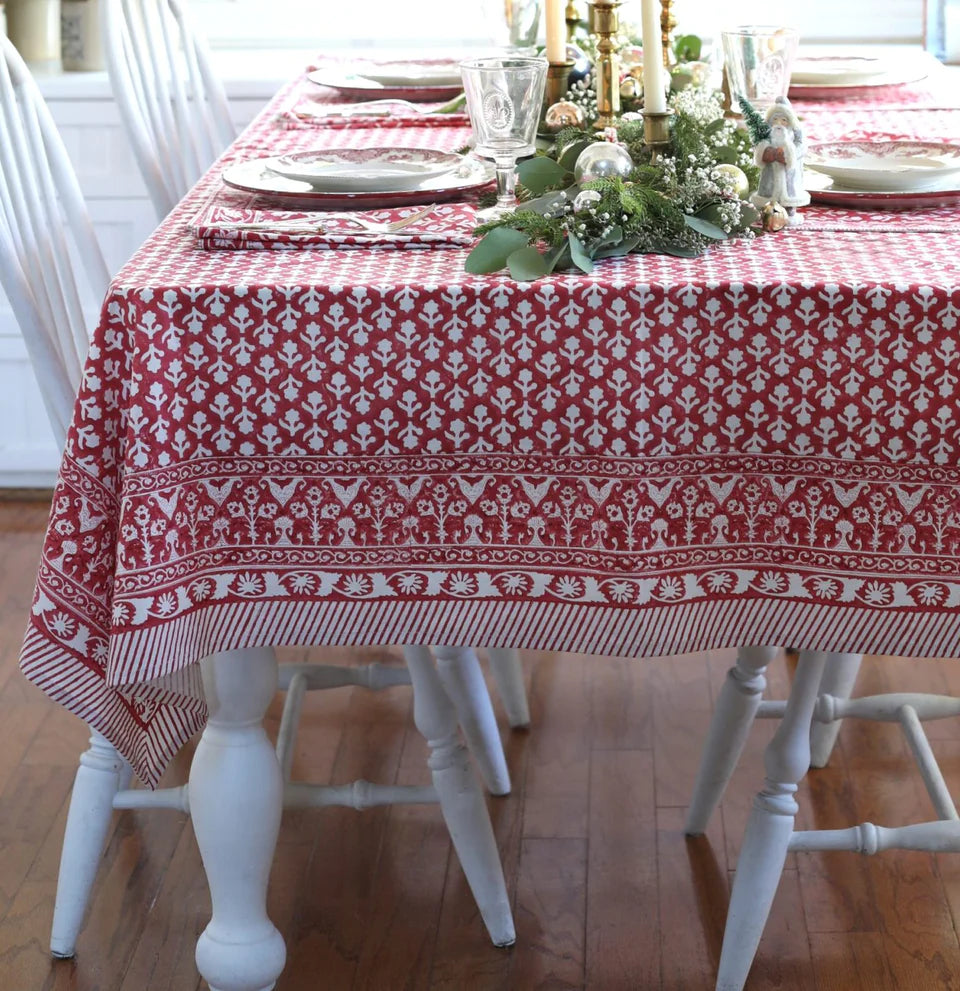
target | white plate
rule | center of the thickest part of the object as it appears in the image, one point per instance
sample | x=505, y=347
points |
x=366, y=170
x=836, y=70
x=428, y=72
x=353, y=85
x=905, y=70
x=902, y=166
x=823, y=189
x=258, y=176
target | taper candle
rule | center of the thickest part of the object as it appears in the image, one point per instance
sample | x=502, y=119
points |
x=654, y=85
x=556, y=31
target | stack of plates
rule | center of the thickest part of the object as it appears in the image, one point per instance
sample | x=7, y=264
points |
x=884, y=174
x=363, y=177
x=838, y=76
x=425, y=79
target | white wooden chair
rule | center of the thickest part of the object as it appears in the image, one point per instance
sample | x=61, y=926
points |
x=819, y=700
x=173, y=105
x=39, y=271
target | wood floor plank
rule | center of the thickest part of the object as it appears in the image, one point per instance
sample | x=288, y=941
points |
x=623, y=926
x=557, y=783
x=693, y=895
x=550, y=915
x=851, y=962
x=340, y=887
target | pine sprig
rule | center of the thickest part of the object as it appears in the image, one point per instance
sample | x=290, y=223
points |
x=758, y=127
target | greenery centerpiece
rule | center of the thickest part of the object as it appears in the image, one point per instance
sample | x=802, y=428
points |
x=677, y=202
x=599, y=194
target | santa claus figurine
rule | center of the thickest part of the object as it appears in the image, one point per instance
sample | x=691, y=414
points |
x=779, y=153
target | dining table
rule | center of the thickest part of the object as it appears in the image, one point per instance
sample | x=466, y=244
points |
x=278, y=441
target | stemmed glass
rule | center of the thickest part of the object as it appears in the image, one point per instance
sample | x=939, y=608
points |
x=504, y=97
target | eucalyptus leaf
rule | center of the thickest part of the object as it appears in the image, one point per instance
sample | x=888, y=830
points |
x=726, y=155
x=714, y=127
x=712, y=213
x=705, y=228
x=570, y=154
x=559, y=256
x=618, y=250
x=613, y=236
x=676, y=250
x=539, y=173
x=527, y=264
x=548, y=205
x=749, y=213
x=687, y=48
x=492, y=251
x=579, y=256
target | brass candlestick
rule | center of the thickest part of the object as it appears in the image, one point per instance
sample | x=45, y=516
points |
x=604, y=22
x=656, y=131
x=558, y=82
x=572, y=16
x=667, y=23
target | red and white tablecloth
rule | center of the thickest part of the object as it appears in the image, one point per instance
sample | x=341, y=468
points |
x=371, y=446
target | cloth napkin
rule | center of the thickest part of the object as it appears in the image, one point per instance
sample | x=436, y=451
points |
x=215, y=226
x=309, y=105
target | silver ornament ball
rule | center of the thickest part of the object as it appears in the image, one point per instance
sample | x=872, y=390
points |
x=586, y=199
x=602, y=160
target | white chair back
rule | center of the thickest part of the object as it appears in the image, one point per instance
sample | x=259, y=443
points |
x=44, y=231
x=173, y=106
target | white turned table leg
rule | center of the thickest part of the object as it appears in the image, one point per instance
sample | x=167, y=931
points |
x=461, y=799
x=91, y=805
x=733, y=716
x=463, y=679
x=769, y=827
x=839, y=677
x=235, y=800
x=508, y=677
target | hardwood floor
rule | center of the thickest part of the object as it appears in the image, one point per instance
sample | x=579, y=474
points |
x=608, y=893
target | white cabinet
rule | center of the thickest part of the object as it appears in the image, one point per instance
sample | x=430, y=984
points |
x=83, y=107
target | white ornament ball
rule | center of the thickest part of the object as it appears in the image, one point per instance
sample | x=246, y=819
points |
x=586, y=199
x=602, y=160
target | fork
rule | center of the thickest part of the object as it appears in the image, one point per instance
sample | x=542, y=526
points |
x=368, y=226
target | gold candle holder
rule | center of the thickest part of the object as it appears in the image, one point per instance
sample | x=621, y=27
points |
x=656, y=131
x=604, y=22
x=558, y=82
x=572, y=16
x=667, y=23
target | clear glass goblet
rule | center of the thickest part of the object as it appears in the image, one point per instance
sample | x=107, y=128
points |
x=504, y=98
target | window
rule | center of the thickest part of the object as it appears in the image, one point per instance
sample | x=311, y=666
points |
x=435, y=23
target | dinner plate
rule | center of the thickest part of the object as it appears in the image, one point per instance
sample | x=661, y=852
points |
x=405, y=72
x=258, y=176
x=366, y=170
x=886, y=166
x=353, y=85
x=905, y=70
x=823, y=189
x=834, y=70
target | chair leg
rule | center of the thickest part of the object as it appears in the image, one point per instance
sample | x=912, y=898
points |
x=839, y=677
x=236, y=793
x=461, y=799
x=769, y=827
x=88, y=819
x=733, y=716
x=508, y=677
x=463, y=679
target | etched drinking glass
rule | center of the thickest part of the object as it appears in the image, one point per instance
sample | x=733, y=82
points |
x=504, y=98
x=757, y=62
